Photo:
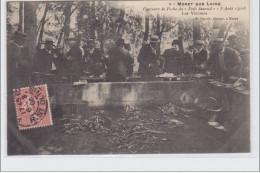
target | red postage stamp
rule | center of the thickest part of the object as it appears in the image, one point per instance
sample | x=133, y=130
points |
x=32, y=107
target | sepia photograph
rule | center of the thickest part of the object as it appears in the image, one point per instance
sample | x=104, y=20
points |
x=127, y=77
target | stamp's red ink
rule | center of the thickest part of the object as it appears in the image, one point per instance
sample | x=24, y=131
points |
x=32, y=107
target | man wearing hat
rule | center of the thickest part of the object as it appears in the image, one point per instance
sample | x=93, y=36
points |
x=118, y=60
x=147, y=58
x=17, y=77
x=200, y=56
x=58, y=59
x=225, y=62
x=232, y=41
x=17, y=59
x=74, y=59
x=187, y=60
x=130, y=63
x=172, y=59
x=44, y=59
x=94, y=59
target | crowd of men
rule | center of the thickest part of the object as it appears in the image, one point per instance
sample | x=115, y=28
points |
x=224, y=62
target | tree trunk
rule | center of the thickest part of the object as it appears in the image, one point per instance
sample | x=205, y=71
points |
x=93, y=21
x=60, y=36
x=218, y=29
x=20, y=26
x=180, y=40
x=42, y=26
x=222, y=30
x=65, y=30
x=158, y=23
x=180, y=35
x=196, y=30
x=146, y=32
x=103, y=38
x=158, y=31
x=217, y=24
x=120, y=29
x=30, y=26
x=67, y=14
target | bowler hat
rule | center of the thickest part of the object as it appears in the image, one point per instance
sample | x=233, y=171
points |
x=232, y=37
x=154, y=39
x=48, y=41
x=175, y=42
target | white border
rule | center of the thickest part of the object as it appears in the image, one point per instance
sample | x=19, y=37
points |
x=167, y=162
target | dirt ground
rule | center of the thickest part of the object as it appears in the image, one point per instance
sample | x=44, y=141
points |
x=128, y=130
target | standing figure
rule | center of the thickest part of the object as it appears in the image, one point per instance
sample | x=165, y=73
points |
x=187, y=61
x=74, y=59
x=130, y=63
x=232, y=42
x=173, y=59
x=94, y=59
x=118, y=59
x=225, y=62
x=200, y=56
x=58, y=59
x=245, y=54
x=147, y=58
x=17, y=62
x=44, y=60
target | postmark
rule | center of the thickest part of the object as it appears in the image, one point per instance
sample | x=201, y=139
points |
x=32, y=107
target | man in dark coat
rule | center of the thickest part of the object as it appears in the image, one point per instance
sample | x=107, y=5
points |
x=74, y=57
x=173, y=59
x=94, y=59
x=118, y=59
x=16, y=67
x=232, y=42
x=44, y=60
x=187, y=61
x=147, y=58
x=200, y=56
x=17, y=62
x=17, y=77
x=225, y=62
x=58, y=59
x=130, y=63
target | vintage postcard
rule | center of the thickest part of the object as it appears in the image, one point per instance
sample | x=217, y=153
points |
x=128, y=77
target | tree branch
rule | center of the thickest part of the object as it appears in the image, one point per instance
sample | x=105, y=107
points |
x=73, y=11
x=171, y=28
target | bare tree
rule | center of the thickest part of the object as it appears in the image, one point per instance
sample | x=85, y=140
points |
x=146, y=32
x=30, y=25
x=120, y=29
x=68, y=11
x=42, y=23
x=20, y=25
x=196, y=30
